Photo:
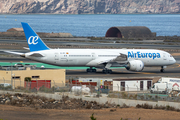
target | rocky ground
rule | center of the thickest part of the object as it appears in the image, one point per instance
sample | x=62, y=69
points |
x=37, y=102
x=30, y=107
x=25, y=107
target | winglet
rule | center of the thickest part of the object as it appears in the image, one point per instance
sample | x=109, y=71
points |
x=34, y=41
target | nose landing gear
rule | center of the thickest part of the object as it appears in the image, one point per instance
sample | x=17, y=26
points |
x=163, y=68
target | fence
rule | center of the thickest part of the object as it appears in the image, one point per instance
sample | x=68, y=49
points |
x=88, y=90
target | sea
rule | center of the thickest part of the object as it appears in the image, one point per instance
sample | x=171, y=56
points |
x=92, y=25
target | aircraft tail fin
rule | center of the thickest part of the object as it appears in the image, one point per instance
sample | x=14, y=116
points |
x=34, y=41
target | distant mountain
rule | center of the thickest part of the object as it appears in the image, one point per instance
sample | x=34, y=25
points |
x=89, y=6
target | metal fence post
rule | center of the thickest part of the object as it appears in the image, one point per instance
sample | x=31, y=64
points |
x=11, y=76
x=81, y=90
x=99, y=94
x=137, y=92
x=14, y=84
x=4, y=79
x=63, y=86
x=36, y=86
x=127, y=91
x=45, y=87
x=118, y=93
x=4, y=83
x=158, y=93
x=54, y=87
x=20, y=84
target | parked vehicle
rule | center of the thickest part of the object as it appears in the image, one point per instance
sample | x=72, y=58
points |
x=174, y=81
x=161, y=88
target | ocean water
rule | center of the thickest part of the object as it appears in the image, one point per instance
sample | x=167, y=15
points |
x=93, y=25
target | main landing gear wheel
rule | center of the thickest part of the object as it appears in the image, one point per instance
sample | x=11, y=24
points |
x=90, y=70
x=107, y=71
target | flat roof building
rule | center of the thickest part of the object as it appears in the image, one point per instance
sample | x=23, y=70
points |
x=16, y=77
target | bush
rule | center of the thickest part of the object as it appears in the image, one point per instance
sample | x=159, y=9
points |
x=27, y=79
x=45, y=89
x=6, y=88
x=92, y=117
x=124, y=94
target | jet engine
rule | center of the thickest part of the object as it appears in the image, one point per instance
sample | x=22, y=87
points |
x=135, y=65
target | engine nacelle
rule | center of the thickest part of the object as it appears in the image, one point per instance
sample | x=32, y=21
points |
x=135, y=65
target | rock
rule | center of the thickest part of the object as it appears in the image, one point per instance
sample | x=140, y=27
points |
x=7, y=101
x=19, y=98
x=14, y=98
x=112, y=110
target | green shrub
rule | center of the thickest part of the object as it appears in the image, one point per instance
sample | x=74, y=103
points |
x=92, y=117
x=27, y=79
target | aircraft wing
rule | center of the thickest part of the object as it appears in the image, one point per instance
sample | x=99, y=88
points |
x=122, y=58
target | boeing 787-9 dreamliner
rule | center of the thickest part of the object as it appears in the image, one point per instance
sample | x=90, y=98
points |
x=131, y=59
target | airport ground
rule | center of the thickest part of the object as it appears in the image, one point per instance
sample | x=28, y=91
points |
x=16, y=113
x=24, y=113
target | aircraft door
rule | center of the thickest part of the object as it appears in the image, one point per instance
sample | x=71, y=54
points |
x=93, y=56
x=56, y=56
x=164, y=56
x=122, y=86
x=141, y=85
x=149, y=85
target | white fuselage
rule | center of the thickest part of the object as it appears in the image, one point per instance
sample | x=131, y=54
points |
x=92, y=57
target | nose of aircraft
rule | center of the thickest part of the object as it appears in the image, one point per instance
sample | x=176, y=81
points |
x=173, y=60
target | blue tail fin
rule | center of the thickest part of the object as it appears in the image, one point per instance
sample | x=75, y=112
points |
x=34, y=41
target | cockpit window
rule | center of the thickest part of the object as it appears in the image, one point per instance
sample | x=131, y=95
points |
x=171, y=56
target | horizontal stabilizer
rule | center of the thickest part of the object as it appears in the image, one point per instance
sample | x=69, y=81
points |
x=26, y=48
x=16, y=53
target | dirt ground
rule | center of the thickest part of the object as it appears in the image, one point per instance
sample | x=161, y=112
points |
x=8, y=112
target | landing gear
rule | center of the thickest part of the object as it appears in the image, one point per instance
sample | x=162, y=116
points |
x=162, y=68
x=90, y=70
x=107, y=71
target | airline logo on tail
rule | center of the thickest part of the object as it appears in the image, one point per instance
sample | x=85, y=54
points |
x=33, y=40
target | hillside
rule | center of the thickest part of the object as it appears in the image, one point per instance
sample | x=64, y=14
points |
x=89, y=6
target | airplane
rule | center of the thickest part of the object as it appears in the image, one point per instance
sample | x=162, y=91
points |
x=131, y=59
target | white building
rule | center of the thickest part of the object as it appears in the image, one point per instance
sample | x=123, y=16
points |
x=100, y=81
x=132, y=84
